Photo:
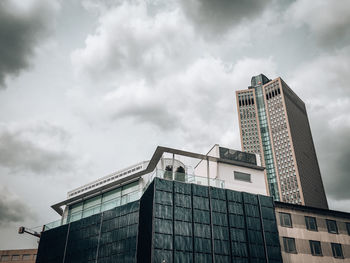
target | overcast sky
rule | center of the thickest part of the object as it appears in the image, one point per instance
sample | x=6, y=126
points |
x=88, y=87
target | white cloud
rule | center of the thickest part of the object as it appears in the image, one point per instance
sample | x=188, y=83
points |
x=132, y=44
x=327, y=20
x=322, y=83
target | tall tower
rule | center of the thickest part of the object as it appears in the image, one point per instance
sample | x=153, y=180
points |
x=274, y=123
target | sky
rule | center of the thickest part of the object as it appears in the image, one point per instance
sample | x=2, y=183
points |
x=88, y=87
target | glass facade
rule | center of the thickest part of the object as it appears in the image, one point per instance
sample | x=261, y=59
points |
x=119, y=196
x=193, y=223
x=109, y=236
x=125, y=194
x=266, y=144
x=172, y=222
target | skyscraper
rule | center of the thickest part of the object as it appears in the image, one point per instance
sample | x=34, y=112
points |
x=274, y=123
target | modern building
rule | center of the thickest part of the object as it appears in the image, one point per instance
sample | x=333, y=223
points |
x=309, y=234
x=172, y=222
x=18, y=255
x=274, y=123
x=217, y=211
x=222, y=168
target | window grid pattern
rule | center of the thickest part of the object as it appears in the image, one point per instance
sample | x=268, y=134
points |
x=282, y=144
x=226, y=225
x=249, y=126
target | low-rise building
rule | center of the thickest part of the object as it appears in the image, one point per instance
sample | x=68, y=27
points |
x=309, y=234
x=18, y=255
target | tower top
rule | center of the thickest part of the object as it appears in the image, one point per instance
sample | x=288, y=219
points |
x=259, y=80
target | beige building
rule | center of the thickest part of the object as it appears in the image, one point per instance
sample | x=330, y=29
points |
x=274, y=123
x=310, y=234
x=18, y=255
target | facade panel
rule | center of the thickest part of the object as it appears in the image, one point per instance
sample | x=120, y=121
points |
x=217, y=225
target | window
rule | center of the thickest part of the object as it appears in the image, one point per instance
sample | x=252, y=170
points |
x=15, y=258
x=315, y=247
x=5, y=258
x=286, y=220
x=27, y=257
x=348, y=228
x=310, y=223
x=332, y=226
x=242, y=176
x=337, y=250
x=289, y=245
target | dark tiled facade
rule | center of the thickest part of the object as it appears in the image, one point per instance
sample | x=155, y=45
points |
x=172, y=222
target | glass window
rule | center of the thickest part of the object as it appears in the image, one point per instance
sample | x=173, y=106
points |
x=332, y=226
x=112, y=195
x=348, y=228
x=76, y=208
x=337, y=250
x=315, y=247
x=129, y=188
x=92, y=202
x=5, y=258
x=27, y=257
x=289, y=245
x=311, y=223
x=285, y=219
x=242, y=176
x=15, y=258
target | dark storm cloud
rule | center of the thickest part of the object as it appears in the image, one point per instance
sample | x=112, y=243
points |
x=334, y=161
x=12, y=210
x=22, y=28
x=38, y=150
x=218, y=16
x=322, y=85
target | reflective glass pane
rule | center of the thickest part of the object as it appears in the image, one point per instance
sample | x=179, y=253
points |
x=126, y=189
x=112, y=195
x=92, y=202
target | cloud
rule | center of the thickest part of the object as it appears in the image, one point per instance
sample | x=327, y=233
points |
x=327, y=21
x=190, y=103
x=323, y=85
x=23, y=25
x=37, y=148
x=152, y=68
x=219, y=16
x=12, y=209
x=130, y=43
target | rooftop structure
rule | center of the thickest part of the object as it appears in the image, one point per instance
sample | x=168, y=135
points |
x=221, y=167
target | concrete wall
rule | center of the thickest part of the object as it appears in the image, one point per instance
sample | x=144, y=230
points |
x=29, y=255
x=224, y=171
x=256, y=186
x=302, y=236
x=305, y=154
